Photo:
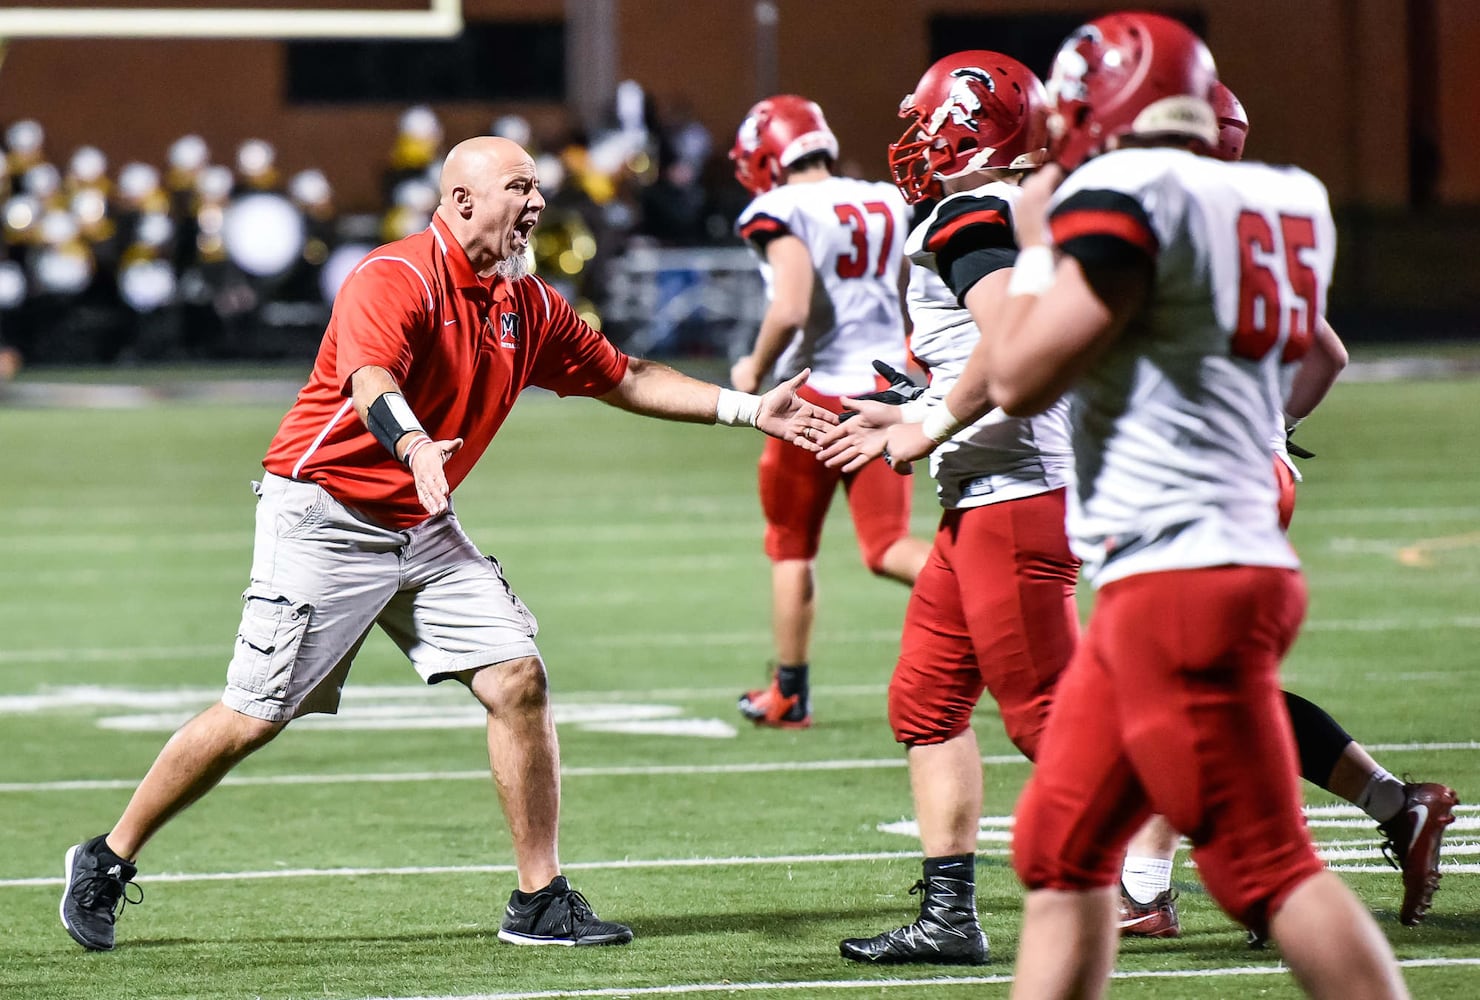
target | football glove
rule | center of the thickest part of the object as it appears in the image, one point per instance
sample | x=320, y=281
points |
x=901, y=390
x=1294, y=449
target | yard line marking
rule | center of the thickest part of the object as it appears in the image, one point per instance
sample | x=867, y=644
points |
x=221, y=650
x=396, y=777
x=1366, y=515
x=1333, y=817
x=98, y=695
x=1392, y=624
x=1446, y=869
x=934, y=982
x=731, y=862
x=1331, y=852
x=997, y=829
x=1420, y=553
x=628, y=863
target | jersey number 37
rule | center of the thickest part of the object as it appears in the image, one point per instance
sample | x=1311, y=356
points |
x=855, y=263
x=1277, y=289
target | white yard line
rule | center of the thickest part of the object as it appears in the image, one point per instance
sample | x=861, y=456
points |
x=935, y=982
x=1333, y=816
x=397, y=777
x=112, y=654
x=275, y=873
x=741, y=861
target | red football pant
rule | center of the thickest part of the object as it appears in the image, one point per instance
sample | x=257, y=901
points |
x=1172, y=704
x=993, y=608
x=797, y=489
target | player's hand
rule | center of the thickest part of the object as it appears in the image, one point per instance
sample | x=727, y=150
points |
x=745, y=374
x=903, y=444
x=852, y=444
x=901, y=388
x=862, y=410
x=785, y=415
x=1030, y=213
x=431, y=482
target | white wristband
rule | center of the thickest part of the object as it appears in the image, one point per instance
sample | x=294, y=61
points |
x=737, y=409
x=940, y=424
x=1291, y=422
x=420, y=441
x=914, y=411
x=1032, y=272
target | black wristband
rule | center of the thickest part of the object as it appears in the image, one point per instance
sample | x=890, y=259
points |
x=390, y=419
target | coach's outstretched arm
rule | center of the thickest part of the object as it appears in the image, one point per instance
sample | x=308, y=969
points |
x=655, y=390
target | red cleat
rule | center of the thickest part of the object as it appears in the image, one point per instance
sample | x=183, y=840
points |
x=1412, y=847
x=1156, y=919
x=769, y=707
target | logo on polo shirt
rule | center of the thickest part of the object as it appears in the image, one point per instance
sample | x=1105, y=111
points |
x=508, y=335
x=508, y=329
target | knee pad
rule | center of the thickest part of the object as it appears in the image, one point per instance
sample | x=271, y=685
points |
x=1025, y=724
x=1041, y=862
x=1252, y=896
x=919, y=719
x=873, y=551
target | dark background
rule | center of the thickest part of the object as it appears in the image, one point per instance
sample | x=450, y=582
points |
x=1379, y=98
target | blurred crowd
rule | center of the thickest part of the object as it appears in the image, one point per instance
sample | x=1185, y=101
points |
x=200, y=259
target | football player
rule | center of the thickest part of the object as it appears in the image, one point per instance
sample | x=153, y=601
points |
x=993, y=609
x=830, y=252
x=1182, y=287
x=1412, y=816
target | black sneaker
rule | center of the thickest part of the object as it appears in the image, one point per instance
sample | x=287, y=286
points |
x=557, y=914
x=944, y=935
x=96, y=892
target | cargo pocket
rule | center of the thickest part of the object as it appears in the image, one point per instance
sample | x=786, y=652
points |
x=267, y=644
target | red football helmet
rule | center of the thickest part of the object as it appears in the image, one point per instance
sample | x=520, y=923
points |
x=775, y=134
x=1129, y=74
x=1233, y=123
x=970, y=111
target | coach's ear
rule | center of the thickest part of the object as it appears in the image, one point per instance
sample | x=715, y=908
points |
x=461, y=199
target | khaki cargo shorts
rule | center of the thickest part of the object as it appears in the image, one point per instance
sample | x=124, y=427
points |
x=322, y=576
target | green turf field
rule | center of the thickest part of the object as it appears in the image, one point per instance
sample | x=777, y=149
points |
x=365, y=856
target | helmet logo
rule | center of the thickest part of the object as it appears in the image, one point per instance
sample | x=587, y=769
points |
x=749, y=136
x=1072, y=65
x=962, y=106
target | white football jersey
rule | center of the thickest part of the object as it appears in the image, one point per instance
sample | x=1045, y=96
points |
x=854, y=231
x=998, y=457
x=1172, y=427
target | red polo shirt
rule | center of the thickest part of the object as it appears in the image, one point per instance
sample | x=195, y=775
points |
x=460, y=347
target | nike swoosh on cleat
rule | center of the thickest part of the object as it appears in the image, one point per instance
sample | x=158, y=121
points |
x=1420, y=814
x=1138, y=920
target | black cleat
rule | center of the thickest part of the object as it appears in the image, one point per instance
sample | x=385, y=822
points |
x=96, y=892
x=943, y=935
x=557, y=914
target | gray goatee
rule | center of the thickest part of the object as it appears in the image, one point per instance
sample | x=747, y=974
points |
x=513, y=268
